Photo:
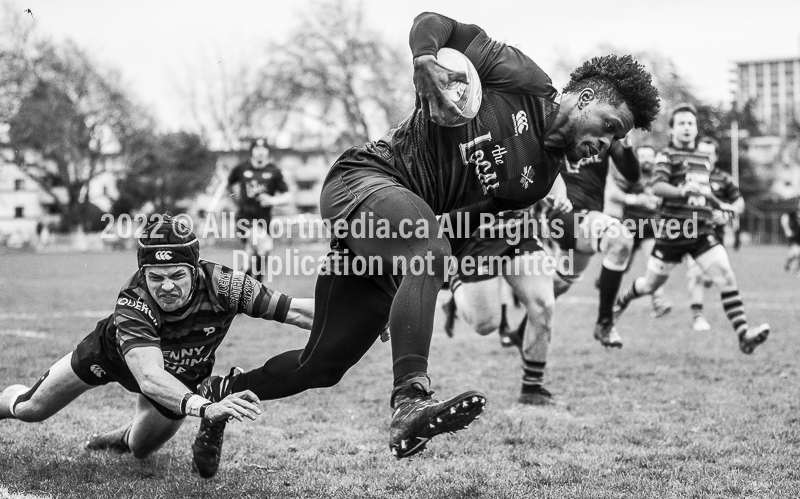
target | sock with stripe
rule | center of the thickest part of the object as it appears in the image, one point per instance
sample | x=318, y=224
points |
x=697, y=310
x=532, y=376
x=734, y=309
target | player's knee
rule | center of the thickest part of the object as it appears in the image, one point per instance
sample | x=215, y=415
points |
x=486, y=326
x=32, y=412
x=328, y=376
x=438, y=254
x=142, y=451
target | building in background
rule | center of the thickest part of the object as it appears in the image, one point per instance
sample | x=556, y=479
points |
x=773, y=88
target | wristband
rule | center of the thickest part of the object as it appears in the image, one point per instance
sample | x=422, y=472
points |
x=196, y=406
x=184, y=401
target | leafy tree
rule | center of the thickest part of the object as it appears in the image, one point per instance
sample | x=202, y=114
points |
x=167, y=170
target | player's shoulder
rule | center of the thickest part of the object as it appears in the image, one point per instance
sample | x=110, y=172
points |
x=226, y=286
x=134, y=301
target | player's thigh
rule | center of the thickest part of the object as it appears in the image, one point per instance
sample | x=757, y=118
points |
x=717, y=265
x=534, y=286
x=150, y=429
x=54, y=390
x=479, y=304
x=594, y=228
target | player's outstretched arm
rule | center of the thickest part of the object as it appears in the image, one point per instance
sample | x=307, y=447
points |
x=301, y=313
x=147, y=365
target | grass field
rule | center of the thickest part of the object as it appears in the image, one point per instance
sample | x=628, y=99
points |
x=673, y=414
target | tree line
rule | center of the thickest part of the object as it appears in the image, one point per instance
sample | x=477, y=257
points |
x=333, y=82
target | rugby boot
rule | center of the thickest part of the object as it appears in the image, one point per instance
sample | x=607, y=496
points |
x=537, y=395
x=418, y=417
x=700, y=324
x=114, y=441
x=661, y=307
x=751, y=338
x=607, y=335
x=207, y=446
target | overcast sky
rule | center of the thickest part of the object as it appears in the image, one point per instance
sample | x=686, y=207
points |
x=154, y=43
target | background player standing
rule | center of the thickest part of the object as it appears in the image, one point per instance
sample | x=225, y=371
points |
x=260, y=185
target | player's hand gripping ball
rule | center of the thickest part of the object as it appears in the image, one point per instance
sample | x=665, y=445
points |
x=465, y=91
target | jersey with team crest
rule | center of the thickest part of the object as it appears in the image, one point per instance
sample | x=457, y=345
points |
x=252, y=183
x=677, y=166
x=189, y=336
x=500, y=153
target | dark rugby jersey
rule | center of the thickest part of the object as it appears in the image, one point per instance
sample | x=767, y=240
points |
x=252, y=183
x=498, y=154
x=676, y=166
x=189, y=336
x=723, y=187
x=586, y=185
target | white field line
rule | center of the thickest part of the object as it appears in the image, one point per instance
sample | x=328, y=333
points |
x=22, y=333
x=75, y=314
x=5, y=494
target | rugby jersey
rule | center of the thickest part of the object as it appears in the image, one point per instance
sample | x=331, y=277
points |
x=723, y=187
x=676, y=166
x=498, y=154
x=586, y=185
x=189, y=336
x=252, y=183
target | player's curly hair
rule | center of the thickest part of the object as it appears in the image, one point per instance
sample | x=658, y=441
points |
x=616, y=79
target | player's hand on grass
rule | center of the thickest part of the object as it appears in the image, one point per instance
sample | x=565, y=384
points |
x=430, y=81
x=235, y=406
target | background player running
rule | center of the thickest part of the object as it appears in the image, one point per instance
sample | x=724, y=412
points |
x=169, y=319
x=587, y=230
x=423, y=169
x=637, y=207
x=479, y=294
x=260, y=185
x=790, y=221
x=724, y=189
x=683, y=181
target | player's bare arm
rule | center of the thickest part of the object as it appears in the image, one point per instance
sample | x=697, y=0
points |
x=147, y=365
x=301, y=313
x=557, y=197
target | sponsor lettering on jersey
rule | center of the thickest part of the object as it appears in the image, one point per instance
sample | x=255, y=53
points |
x=483, y=169
x=520, y=122
x=178, y=360
x=209, y=330
x=138, y=305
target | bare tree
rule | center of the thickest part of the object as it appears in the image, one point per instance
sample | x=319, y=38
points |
x=335, y=80
x=61, y=104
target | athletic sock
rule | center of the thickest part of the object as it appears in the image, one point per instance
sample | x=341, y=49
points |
x=628, y=296
x=697, y=310
x=503, y=320
x=609, y=287
x=734, y=309
x=532, y=376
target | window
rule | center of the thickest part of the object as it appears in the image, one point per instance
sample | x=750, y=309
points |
x=19, y=212
x=19, y=184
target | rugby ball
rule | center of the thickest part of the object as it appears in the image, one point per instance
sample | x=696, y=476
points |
x=466, y=95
